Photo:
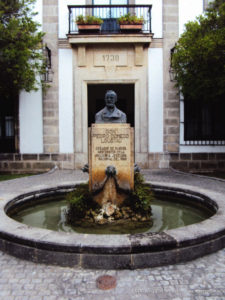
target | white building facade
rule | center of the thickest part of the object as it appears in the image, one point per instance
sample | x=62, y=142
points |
x=52, y=129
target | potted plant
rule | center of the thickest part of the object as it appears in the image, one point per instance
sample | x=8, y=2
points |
x=130, y=22
x=88, y=22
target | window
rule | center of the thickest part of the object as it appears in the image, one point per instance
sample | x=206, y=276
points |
x=7, y=127
x=110, y=13
x=110, y=2
x=204, y=121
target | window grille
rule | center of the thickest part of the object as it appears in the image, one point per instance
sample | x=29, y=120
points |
x=7, y=127
x=204, y=122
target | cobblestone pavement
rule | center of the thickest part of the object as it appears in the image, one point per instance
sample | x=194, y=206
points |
x=200, y=279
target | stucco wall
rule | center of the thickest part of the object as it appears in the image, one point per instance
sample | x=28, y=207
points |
x=65, y=101
x=30, y=110
x=30, y=120
x=155, y=105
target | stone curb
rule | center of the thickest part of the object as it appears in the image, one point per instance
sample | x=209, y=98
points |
x=196, y=175
x=114, y=251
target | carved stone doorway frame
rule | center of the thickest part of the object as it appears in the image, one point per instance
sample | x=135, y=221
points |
x=133, y=69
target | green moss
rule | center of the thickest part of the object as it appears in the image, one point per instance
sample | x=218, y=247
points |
x=140, y=199
x=80, y=201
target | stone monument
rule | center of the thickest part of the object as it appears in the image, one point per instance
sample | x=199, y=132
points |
x=111, y=154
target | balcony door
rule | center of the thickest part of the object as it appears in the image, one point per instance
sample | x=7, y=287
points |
x=110, y=14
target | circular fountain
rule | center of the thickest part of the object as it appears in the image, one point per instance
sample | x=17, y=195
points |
x=113, y=251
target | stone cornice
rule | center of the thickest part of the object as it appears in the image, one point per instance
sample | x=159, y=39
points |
x=110, y=39
x=64, y=43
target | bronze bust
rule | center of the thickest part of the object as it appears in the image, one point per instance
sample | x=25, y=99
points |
x=110, y=113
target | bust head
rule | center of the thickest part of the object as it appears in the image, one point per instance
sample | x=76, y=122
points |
x=110, y=99
x=110, y=113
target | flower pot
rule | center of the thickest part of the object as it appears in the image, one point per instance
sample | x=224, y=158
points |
x=136, y=27
x=91, y=27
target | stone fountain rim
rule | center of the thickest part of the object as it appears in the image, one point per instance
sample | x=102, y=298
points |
x=114, y=251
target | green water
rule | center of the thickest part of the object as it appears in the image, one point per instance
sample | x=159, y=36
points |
x=165, y=215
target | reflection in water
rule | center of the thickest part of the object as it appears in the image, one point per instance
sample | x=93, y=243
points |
x=168, y=215
x=52, y=217
x=165, y=215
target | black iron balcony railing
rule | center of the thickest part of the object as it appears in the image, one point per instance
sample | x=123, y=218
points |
x=109, y=14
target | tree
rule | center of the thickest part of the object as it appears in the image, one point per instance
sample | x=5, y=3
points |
x=21, y=58
x=199, y=56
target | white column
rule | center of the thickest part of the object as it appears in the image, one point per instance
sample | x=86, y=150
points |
x=30, y=122
x=65, y=101
x=156, y=100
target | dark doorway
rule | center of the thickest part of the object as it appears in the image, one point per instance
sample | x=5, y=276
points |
x=125, y=95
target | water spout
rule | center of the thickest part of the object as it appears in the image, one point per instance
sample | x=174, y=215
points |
x=110, y=192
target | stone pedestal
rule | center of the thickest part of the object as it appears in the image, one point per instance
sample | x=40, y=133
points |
x=111, y=145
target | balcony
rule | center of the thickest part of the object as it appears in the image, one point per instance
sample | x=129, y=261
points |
x=109, y=14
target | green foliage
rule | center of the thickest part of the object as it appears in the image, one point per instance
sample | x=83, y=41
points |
x=21, y=58
x=141, y=197
x=12, y=176
x=88, y=20
x=199, y=56
x=130, y=19
x=80, y=201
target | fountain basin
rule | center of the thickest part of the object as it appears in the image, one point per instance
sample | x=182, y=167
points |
x=125, y=251
x=167, y=213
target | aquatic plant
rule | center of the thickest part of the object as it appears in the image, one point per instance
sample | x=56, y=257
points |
x=79, y=201
x=141, y=197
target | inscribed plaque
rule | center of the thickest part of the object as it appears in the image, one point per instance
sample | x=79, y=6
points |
x=110, y=58
x=111, y=145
